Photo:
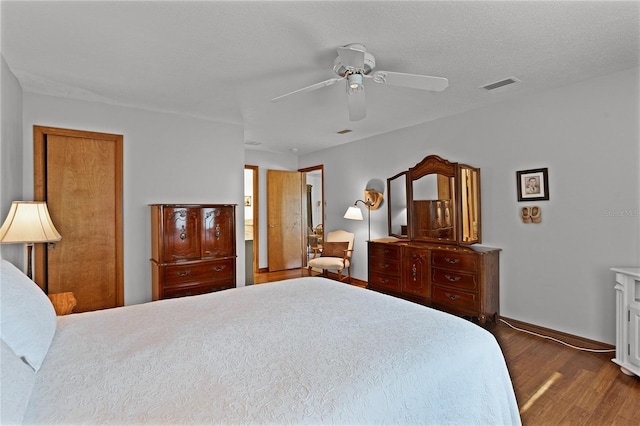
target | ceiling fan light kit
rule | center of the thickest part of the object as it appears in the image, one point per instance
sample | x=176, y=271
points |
x=352, y=64
x=355, y=83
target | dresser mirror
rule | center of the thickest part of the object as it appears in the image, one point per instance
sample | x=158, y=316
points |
x=437, y=200
x=397, y=205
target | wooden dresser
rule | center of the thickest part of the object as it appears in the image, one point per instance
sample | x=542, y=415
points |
x=457, y=279
x=193, y=249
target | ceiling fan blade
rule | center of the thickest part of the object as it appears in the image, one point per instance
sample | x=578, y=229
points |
x=316, y=86
x=357, y=105
x=351, y=58
x=414, y=81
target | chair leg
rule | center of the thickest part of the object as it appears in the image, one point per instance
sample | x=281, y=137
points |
x=339, y=274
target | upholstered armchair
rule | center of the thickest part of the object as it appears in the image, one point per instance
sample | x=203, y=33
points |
x=335, y=254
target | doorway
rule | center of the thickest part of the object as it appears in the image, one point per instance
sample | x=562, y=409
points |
x=79, y=175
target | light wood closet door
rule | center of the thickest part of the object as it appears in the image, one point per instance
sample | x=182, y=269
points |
x=79, y=174
x=285, y=213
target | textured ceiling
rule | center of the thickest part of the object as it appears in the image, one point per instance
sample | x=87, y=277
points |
x=225, y=61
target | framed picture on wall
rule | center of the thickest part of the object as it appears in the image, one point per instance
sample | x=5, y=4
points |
x=533, y=185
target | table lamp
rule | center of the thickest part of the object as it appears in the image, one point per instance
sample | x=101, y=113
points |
x=28, y=222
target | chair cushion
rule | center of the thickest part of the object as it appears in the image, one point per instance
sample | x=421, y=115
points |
x=334, y=248
x=328, y=263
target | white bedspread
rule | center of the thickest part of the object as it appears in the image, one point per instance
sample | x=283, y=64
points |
x=304, y=351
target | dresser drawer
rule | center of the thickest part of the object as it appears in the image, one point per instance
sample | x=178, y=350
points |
x=454, y=279
x=453, y=260
x=384, y=281
x=384, y=266
x=456, y=299
x=384, y=251
x=201, y=272
x=194, y=289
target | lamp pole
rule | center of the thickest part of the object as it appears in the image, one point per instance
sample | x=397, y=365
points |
x=368, y=205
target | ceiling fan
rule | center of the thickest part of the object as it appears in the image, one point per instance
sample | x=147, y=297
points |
x=353, y=64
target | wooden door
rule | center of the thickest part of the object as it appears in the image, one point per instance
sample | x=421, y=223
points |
x=285, y=218
x=79, y=174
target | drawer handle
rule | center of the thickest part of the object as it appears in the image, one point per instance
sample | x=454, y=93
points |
x=384, y=265
x=383, y=281
x=183, y=233
x=218, y=268
x=452, y=279
x=452, y=261
x=183, y=274
x=454, y=297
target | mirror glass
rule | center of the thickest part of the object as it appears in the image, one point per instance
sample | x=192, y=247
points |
x=469, y=205
x=434, y=213
x=397, y=205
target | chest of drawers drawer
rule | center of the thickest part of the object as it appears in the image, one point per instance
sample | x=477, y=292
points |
x=384, y=251
x=453, y=260
x=453, y=278
x=387, y=282
x=384, y=266
x=219, y=270
x=187, y=289
x=455, y=300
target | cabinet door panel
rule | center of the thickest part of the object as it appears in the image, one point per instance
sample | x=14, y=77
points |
x=181, y=233
x=218, y=232
x=415, y=272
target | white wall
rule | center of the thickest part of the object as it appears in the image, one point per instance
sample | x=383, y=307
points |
x=554, y=274
x=10, y=156
x=167, y=159
x=267, y=161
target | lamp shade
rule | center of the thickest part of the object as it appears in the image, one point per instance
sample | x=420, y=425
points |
x=28, y=222
x=353, y=213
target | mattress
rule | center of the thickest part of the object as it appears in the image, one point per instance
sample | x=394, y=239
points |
x=301, y=351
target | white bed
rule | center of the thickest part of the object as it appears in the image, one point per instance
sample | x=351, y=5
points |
x=302, y=351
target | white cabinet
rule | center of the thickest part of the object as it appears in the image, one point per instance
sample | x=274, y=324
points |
x=628, y=320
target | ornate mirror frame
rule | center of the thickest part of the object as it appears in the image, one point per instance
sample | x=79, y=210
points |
x=442, y=203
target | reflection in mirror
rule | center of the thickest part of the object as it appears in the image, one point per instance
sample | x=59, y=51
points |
x=397, y=205
x=434, y=208
x=470, y=204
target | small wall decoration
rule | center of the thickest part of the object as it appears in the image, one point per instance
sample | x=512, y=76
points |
x=531, y=214
x=533, y=184
x=247, y=201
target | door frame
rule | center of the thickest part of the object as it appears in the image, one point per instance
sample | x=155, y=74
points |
x=40, y=134
x=320, y=168
x=256, y=212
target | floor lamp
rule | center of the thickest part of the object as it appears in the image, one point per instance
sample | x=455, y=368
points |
x=354, y=213
x=28, y=222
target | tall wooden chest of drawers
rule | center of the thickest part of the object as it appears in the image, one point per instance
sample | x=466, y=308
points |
x=457, y=279
x=193, y=249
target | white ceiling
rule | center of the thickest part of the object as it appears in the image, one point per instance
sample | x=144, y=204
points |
x=225, y=60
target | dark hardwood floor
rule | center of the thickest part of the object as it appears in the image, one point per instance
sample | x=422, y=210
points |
x=554, y=384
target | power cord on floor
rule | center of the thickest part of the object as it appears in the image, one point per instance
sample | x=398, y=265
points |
x=559, y=341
